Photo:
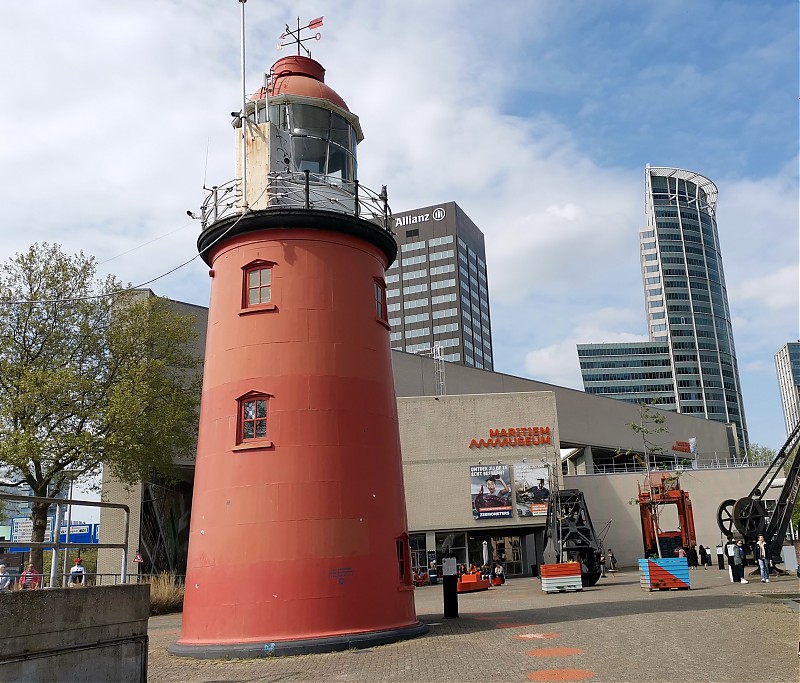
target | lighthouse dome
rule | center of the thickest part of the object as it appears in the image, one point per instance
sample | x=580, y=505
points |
x=299, y=75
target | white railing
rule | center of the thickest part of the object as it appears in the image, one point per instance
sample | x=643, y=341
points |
x=304, y=190
x=622, y=468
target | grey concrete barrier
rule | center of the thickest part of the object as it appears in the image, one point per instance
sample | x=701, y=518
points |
x=81, y=634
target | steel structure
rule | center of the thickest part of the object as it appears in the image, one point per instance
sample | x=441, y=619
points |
x=663, y=489
x=749, y=516
x=571, y=534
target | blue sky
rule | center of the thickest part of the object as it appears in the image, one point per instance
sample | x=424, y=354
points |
x=536, y=117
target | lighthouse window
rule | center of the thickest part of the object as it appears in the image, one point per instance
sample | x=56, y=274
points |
x=308, y=120
x=259, y=286
x=309, y=154
x=403, y=559
x=252, y=417
x=380, y=299
x=279, y=115
x=323, y=142
x=340, y=131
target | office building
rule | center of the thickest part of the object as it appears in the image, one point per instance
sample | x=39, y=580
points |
x=637, y=372
x=787, y=364
x=686, y=303
x=437, y=289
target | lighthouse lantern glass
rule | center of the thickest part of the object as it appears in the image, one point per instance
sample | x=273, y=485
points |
x=322, y=141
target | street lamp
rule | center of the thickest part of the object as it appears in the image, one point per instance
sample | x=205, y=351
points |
x=72, y=474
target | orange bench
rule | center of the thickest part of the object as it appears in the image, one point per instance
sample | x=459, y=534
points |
x=469, y=583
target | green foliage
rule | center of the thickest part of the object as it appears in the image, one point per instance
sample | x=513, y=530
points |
x=651, y=422
x=758, y=455
x=91, y=374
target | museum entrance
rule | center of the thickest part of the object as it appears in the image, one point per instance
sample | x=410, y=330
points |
x=504, y=549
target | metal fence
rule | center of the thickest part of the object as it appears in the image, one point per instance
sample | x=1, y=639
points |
x=304, y=190
x=57, y=545
x=677, y=465
x=96, y=579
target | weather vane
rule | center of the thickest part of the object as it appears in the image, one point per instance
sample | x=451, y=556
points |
x=295, y=35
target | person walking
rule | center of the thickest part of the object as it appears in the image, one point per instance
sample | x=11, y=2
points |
x=761, y=553
x=612, y=561
x=704, y=559
x=5, y=579
x=730, y=553
x=738, y=563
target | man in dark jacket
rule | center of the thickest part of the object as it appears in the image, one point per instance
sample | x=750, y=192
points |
x=761, y=553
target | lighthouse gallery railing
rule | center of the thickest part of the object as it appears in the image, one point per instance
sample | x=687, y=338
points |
x=304, y=190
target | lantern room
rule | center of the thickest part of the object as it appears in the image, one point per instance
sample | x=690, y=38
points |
x=294, y=124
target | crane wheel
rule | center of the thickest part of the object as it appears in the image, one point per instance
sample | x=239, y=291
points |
x=750, y=517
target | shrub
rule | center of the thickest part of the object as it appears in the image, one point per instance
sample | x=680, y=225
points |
x=166, y=594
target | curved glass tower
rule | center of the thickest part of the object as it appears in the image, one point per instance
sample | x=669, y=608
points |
x=685, y=295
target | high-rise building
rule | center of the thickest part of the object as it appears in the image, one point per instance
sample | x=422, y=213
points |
x=787, y=364
x=688, y=319
x=437, y=289
x=637, y=372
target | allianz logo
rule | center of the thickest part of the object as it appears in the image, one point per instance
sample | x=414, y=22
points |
x=437, y=214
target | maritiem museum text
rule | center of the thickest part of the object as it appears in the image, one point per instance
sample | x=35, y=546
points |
x=513, y=436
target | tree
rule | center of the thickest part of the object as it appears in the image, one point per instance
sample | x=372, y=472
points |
x=91, y=374
x=757, y=454
x=651, y=422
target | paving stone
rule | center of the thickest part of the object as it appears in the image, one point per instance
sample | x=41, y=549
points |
x=718, y=631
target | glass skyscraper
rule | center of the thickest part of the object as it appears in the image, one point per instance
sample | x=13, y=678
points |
x=437, y=290
x=787, y=364
x=686, y=304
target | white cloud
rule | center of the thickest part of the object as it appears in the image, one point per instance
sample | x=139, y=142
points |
x=112, y=115
x=777, y=291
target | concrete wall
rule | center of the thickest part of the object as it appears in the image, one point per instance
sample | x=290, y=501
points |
x=608, y=497
x=584, y=419
x=85, y=634
x=436, y=432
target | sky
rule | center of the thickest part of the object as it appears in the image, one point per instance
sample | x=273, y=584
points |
x=537, y=118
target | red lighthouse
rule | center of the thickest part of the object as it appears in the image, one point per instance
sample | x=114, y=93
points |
x=298, y=539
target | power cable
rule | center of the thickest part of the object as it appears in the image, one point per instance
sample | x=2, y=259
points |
x=246, y=211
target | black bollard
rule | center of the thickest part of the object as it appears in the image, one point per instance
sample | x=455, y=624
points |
x=449, y=588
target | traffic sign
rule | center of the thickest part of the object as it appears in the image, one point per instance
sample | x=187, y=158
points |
x=138, y=558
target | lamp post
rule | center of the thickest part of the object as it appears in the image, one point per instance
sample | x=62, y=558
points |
x=71, y=474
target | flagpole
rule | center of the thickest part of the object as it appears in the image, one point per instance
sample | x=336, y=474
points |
x=244, y=116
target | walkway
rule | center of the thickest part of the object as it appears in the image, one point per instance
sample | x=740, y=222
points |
x=718, y=631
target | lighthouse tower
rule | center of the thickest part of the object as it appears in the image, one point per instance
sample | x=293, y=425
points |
x=298, y=539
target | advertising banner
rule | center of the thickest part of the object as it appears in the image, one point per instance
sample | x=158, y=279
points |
x=531, y=490
x=491, y=491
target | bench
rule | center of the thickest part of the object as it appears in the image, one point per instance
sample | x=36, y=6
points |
x=421, y=579
x=469, y=583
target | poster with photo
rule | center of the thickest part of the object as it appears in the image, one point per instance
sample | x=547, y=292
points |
x=531, y=490
x=491, y=491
